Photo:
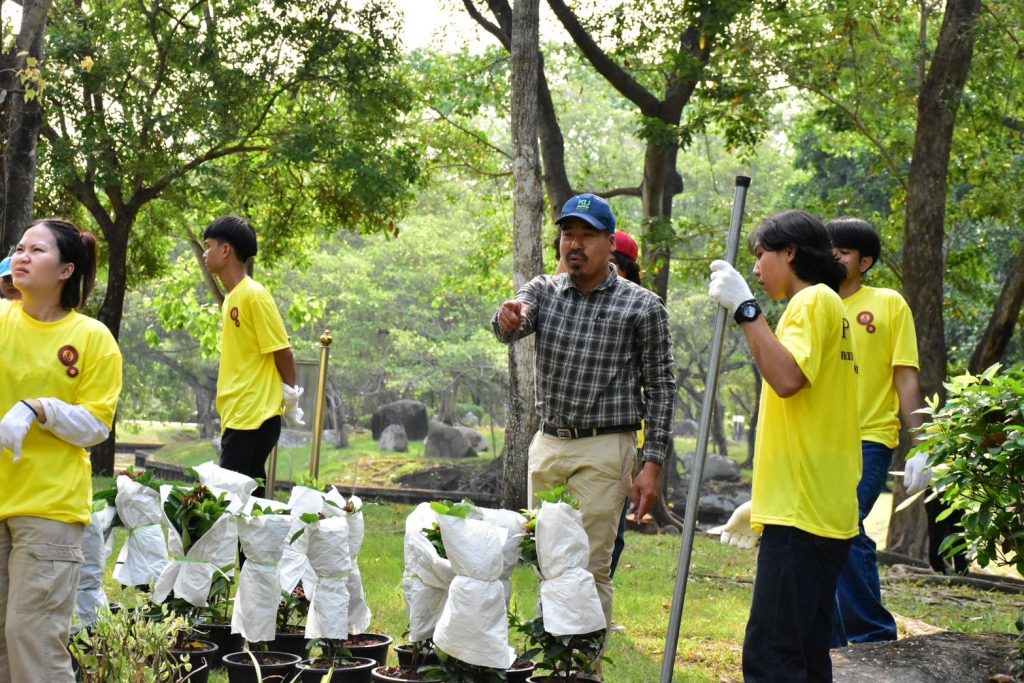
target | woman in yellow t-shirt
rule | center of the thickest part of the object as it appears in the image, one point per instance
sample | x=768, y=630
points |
x=59, y=388
x=807, y=453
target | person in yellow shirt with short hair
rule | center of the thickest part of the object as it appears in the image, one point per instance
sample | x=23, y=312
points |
x=807, y=451
x=257, y=368
x=887, y=357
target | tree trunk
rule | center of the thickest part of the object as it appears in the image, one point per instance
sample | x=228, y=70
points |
x=1004, y=318
x=110, y=313
x=528, y=244
x=20, y=126
x=923, y=239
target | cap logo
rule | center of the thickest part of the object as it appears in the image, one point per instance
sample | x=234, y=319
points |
x=583, y=205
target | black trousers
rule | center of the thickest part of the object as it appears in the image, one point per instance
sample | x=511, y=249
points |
x=246, y=450
x=790, y=625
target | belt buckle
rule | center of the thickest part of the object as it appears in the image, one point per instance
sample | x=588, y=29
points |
x=564, y=433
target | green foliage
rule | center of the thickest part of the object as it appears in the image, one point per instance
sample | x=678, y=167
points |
x=129, y=646
x=976, y=447
x=565, y=657
x=292, y=610
x=193, y=511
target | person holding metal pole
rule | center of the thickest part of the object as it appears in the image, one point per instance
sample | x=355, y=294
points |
x=257, y=368
x=807, y=454
x=603, y=364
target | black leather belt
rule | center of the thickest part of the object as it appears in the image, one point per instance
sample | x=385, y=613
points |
x=583, y=432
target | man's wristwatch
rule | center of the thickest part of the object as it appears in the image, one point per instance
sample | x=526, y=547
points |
x=747, y=312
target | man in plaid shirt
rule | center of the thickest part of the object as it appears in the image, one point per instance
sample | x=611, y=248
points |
x=604, y=364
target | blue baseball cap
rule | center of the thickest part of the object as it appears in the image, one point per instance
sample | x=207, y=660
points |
x=591, y=209
x=5, y=267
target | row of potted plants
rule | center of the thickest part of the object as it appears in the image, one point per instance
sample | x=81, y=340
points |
x=293, y=593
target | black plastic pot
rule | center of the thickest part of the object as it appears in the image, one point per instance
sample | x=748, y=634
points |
x=381, y=675
x=200, y=653
x=221, y=636
x=372, y=645
x=521, y=671
x=295, y=643
x=345, y=670
x=274, y=667
x=427, y=657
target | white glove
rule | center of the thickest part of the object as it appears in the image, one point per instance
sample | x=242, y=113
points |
x=727, y=286
x=916, y=473
x=14, y=427
x=292, y=411
x=738, y=532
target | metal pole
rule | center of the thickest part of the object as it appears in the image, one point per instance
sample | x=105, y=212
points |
x=707, y=409
x=321, y=391
x=268, y=490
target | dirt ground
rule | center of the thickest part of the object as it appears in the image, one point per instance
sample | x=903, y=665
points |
x=942, y=657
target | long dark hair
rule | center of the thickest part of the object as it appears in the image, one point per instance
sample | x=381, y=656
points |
x=77, y=247
x=813, y=260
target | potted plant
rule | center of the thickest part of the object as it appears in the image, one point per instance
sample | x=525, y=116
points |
x=263, y=531
x=194, y=656
x=331, y=662
x=251, y=666
x=554, y=542
x=566, y=659
x=197, y=582
x=129, y=645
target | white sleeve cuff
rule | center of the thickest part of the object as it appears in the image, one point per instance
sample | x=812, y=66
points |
x=73, y=424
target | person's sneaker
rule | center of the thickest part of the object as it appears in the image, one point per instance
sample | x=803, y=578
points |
x=617, y=628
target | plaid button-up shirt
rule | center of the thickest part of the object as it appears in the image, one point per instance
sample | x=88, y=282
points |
x=604, y=358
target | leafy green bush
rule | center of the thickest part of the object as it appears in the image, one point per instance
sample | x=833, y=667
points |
x=976, y=449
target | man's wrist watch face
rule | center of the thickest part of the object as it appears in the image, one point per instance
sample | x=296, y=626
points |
x=747, y=312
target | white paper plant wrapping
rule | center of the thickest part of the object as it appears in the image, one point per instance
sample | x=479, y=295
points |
x=568, y=594
x=144, y=555
x=359, y=614
x=473, y=626
x=328, y=551
x=427, y=575
x=263, y=540
x=294, y=565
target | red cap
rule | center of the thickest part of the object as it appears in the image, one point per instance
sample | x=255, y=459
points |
x=626, y=245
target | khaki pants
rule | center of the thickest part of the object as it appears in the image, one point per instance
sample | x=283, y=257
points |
x=599, y=473
x=39, y=563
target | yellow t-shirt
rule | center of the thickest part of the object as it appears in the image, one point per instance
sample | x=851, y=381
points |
x=77, y=361
x=883, y=328
x=807, y=459
x=248, y=384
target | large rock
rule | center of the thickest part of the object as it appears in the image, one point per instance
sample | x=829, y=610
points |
x=410, y=414
x=393, y=440
x=717, y=467
x=470, y=419
x=685, y=427
x=476, y=440
x=446, y=442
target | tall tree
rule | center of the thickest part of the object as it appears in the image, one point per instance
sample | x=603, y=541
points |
x=155, y=100
x=21, y=84
x=927, y=184
x=527, y=256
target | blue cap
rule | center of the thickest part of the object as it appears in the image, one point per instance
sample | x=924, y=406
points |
x=589, y=208
x=5, y=267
